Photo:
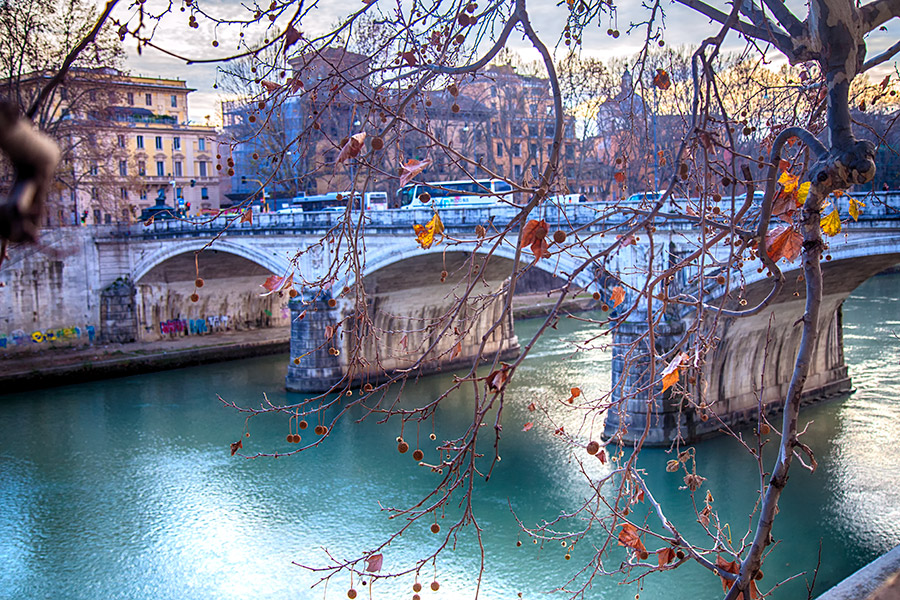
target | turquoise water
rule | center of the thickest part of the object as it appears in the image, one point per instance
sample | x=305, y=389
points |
x=125, y=488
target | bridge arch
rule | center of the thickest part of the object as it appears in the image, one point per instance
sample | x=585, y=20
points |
x=270, y=262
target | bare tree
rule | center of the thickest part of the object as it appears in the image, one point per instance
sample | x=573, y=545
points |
x=422, y=51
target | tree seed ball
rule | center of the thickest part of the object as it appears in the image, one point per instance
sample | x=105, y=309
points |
x=604, y=307
x=596, y=296
x=720, y=280
x=293, y=293
x=432, y=437
x=377, y=143
x=444, y=274
x=454, y=108
x=195, y=297
x=198, y=282
x=593, y=447
x=302, y=425
x=518, y=543
x=417, y=587
x=435, y=528
x=559, y=236
x=424, y=197
x=402, y=447
x=416, y=597
x=418, y=455
x=644, y=555
x=368, y=388
x=332, y=303
x=320, y=430
x=764, y=429
x=290, y=438
x=351, y=593
x=679, y=554
x=435, y=586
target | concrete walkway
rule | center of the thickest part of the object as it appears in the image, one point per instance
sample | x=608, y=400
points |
x=49, y=367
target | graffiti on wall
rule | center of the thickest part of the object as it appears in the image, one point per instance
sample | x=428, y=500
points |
x=19, y=337
x=194, y=326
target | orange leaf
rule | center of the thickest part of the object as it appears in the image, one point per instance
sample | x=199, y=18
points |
x=247, y=216
x=496, y=381
x=270, y=86
x=661, y=79
x=671, y=372
x=784, y=206
x=619, y=176
x=411, y=169
x=540, y=249
x=628, y=537
x=784, y=242
x=373, y=563
x=665, y=556
x=352, y=147
x=410, y=58
x=274, y=283
x=534, y=230
x=291, y=37
x=527, y=426
x=457, y=350
x=625, y=240
x=617, y=296
x=735, y=568
x=235, y=446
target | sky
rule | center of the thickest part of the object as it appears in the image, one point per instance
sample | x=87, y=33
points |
x=683, y=27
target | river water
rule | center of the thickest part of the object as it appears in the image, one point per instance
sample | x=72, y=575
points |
x=125, y=488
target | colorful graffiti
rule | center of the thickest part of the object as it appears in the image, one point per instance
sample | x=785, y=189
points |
x=194, y=326
x=18, y=337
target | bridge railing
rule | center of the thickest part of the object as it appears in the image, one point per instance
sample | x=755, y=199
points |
x=880, y=211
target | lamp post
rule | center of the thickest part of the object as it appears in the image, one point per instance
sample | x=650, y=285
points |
x=262, y=187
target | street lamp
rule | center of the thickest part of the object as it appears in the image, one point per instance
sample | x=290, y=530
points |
x=265, y=204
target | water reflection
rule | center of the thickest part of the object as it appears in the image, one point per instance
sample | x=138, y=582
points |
x=125, y=489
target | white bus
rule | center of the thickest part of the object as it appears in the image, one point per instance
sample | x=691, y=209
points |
x=480, y=193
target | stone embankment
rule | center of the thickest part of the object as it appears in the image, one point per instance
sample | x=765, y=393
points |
x=50, y=367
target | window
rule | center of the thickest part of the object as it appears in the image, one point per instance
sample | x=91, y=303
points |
x=201, y=144
x=120, y=140
x=123, y=168
x=532, y=130
x=179, y=192
x=174, y=101
x=140, y=142
x=123, y=193
x=533, y=110
x=160, y=168
x=159, y=142
x=96, y=216
x=517, y=150
x=176, y=143
x=518, y=170
x=178, y=168
x=94, y=194
x=148, y=99
x=107, y=218
x=516, y=129
x=125, y=215
x=92, y=95
x=495, y=129
x=204, y=192
x=130, y=96
x=534, y=172
x=499, y=150
x=532, y=149
x=63, y=94
x=94, y=170
x=202, y=166
x=549, y=149
x=549, y=130
x=570, y=152
x=142, y=168
x=143, y=193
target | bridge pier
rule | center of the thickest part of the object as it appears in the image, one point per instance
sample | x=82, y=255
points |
x=750, y=368
x=331, y=344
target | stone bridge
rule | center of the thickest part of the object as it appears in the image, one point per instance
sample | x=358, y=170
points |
x=148, y=275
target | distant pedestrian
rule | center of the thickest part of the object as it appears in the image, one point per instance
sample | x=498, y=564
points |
x=885, y=187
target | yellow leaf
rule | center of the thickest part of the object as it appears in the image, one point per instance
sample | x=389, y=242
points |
x=790, y=182
x=425, y=234
x=854, y=208
x=802, y=192
x=617, y=296
x=831, y=225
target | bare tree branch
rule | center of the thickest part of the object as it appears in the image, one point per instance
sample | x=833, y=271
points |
x=879, y=12
x=880, y=58
x=780, y=41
